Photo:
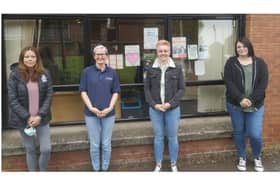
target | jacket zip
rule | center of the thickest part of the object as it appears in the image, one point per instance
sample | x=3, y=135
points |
x=242, y=76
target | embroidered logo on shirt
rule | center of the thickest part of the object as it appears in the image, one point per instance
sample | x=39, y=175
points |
x=44, y=78
x=109, y=78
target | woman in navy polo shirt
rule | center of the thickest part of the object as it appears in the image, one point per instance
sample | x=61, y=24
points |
x=99, y=87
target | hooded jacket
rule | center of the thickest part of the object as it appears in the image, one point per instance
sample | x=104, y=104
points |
x=18, y=98
x=235, y=81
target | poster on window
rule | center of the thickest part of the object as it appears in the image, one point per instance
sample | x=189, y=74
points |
x=119, y=61
x=150, y=38
x=132, y=55
x=112, y=61
x=192, y=52
x=179, y=50
x=199, y=67
x=203, y=51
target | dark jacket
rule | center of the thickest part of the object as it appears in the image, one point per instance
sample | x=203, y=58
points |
x=235, y=81
x=174, y=85
x=18, y=99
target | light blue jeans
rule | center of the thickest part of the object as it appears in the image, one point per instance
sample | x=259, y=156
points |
x=246, y=124
x=100, y=131
x=165, y=122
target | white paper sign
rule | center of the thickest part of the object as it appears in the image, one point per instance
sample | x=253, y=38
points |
x=112, y=61
x=199, y=67
x=150, y=38
x=119, y=61
x=203, y=51
x=192, y=51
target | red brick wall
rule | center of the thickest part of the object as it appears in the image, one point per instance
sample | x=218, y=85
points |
x=80, y=160
x=264, y=32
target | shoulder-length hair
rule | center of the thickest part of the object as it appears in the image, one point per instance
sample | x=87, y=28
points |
x=247, y=43
x=38, y=69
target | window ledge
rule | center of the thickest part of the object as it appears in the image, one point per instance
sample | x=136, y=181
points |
x=68, y=138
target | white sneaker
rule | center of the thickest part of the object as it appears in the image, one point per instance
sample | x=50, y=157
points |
x=174, y=168
x=158, y=168
x=258, y=165
x=241, y=166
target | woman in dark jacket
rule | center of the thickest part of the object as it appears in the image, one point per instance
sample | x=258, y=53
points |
x=246, y=79
x=30, y=93
x=164, y=86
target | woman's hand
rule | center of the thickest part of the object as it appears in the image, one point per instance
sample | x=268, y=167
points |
x=166, y=106
x=106, y=111
x=96, y=111
x=245, y=103
x=34, y=121
x=160, y=107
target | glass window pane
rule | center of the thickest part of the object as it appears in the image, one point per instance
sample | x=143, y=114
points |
x=213, y=42
x=61, y=47
x=116, y=33
x=18, y=34
x=201, y=99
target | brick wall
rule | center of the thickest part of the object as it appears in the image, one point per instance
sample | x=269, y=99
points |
x=140, y=158
x=264, y=32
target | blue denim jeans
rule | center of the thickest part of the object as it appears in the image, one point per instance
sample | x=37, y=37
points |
x=246, y=124
x=165, y=122
x=100, y=131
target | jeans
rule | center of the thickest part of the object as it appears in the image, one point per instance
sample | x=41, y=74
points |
x=165, y=122
x=246, y=124
x=100, y=130
x=43, y=134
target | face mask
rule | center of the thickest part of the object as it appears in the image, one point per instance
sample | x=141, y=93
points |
x=30, y=131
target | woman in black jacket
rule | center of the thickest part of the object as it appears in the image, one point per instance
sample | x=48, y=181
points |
x=164, y=86
x=30, y=93
x=246, y=79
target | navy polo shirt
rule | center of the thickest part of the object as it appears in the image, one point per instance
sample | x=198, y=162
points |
x=100, y=86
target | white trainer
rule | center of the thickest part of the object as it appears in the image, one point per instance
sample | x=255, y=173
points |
x=158, y=167
x=258, y=165
x=241, y=166
x=174, y=168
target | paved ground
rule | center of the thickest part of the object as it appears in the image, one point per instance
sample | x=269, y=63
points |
x=219, y=162
x=271, y=162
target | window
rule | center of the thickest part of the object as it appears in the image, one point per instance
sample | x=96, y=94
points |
x=201, y=43
x=116, y=34
x=61, y=47
x=208, y=44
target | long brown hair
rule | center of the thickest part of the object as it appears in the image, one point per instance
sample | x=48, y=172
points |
x=38, y=69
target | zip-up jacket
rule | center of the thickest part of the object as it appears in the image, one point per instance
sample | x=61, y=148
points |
x=18, y=99
x=235, y=81
x=174, y=85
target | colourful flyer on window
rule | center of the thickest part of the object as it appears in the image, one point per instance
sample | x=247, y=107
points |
x=179, y=47
x=132, y=55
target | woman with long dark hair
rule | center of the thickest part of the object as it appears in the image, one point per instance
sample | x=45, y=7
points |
x=30, y=93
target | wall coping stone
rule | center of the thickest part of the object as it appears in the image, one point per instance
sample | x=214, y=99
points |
x=72, y=138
